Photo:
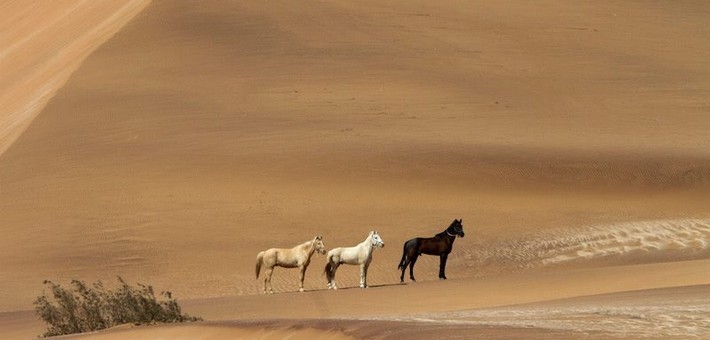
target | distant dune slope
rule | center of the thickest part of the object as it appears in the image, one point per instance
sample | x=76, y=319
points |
x=42, y=44
x=204, y=132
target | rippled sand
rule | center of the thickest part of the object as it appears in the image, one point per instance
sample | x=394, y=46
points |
x=639, y=242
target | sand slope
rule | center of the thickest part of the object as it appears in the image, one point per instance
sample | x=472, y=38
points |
x=43, y=43
x=568, y=136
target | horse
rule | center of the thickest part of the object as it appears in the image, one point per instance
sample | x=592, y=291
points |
x=441, y=244
x=360, y=254
x=296, y=257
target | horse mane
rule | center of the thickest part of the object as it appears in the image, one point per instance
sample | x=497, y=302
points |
x=442, y=234
x=305, y=243
x=309, y=242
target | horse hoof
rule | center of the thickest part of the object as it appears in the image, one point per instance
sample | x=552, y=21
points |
x=442, y=278
x=300, y=290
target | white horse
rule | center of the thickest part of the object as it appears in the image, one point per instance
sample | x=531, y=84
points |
x=296, y=257
x=360, y=254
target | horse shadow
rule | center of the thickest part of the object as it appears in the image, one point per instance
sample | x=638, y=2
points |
x=382, y=285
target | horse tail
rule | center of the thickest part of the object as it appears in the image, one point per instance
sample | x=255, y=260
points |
x=410, y=247
x=404, y=257
x=259, y=260
x=328, y=268
x=328, y=263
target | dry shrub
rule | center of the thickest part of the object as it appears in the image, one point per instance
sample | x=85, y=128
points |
x=84, y=308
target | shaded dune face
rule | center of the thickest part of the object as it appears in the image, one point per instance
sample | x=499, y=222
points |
x=202, y=133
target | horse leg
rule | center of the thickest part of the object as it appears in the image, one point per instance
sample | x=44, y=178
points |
x=267, y=280
x=302, y=270
x=363, y=274
x=328, y=270
x=411, y=267
x=405, y=263
x=332, y=275
x=442, y=266
x=403, y=266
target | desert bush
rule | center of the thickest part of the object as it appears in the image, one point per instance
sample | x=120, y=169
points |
x=84, y=308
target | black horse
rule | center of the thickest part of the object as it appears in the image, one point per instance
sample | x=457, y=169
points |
x=440, y=244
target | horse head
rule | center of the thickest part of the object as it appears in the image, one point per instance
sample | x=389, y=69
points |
x=318, y=243
x=377, y=241
x=456, y=228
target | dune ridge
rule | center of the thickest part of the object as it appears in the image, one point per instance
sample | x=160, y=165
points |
x=43, y=44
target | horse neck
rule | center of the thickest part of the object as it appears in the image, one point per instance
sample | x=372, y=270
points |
x=366, y=248
x=368, y=242
x=309, y=247
x=445, y=234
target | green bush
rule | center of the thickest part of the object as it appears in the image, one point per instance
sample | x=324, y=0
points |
x=84, y=308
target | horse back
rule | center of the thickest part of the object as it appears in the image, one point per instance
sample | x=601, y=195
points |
x=355, y=255
x=434, y=246
x=279, y=257
x=333, y=252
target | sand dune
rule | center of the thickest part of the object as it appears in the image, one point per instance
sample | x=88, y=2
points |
x=183, y=138
x=43, y=43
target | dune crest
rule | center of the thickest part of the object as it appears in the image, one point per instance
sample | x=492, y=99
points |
x=43, y=44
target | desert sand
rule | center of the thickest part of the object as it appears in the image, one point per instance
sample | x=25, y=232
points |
x=170, y=142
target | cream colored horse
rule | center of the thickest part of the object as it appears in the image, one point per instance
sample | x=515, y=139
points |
x=296, y=257
x=360, y=254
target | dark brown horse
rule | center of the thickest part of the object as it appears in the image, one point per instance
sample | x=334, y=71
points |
x=441, y=245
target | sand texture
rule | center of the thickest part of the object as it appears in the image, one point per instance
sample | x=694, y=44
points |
x=169, y=142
